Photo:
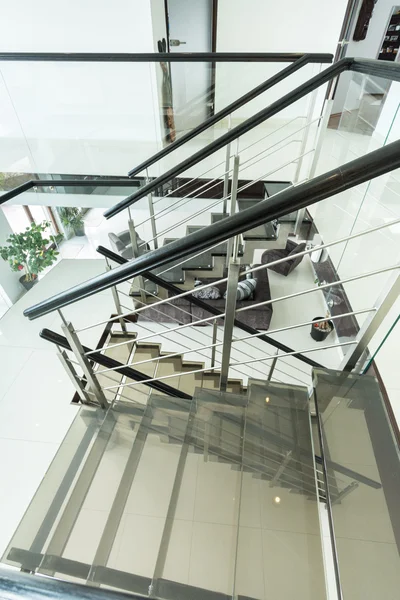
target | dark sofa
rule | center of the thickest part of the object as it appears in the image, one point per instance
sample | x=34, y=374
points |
x=258, y=318
x=284, y=268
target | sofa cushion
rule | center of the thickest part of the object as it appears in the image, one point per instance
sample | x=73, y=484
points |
x=211, y=293
x=245, y=289
x=258, y=317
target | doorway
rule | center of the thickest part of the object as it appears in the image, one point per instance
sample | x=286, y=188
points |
x=190, y=28
x=373, y=33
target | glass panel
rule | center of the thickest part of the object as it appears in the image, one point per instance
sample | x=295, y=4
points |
x=279, y=523
x=106, y=118
x=202, y=544
x=118, y=491
x=365, y=116
x=45, y=508
x=364, y=484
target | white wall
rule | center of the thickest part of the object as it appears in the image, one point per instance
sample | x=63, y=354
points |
x=268, y=26
x=89, y=26
x=77, y=117
x=8, y=279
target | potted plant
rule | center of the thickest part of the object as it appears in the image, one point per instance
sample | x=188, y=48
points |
x=321, y=328
x=28, y=251
x=72, y=219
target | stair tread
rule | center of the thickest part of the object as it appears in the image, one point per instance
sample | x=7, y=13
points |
x=266, y=231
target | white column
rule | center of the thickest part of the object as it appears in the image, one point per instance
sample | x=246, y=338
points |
x=8, y=279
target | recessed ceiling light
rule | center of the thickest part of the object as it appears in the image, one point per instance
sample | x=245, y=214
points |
x=267, y=399
x=277, y=500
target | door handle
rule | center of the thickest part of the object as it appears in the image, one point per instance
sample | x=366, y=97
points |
x=176, y=42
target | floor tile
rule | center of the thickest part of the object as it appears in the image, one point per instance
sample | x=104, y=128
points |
x=368, y=569
x=37, y=405
x=212, y=557
x=217, y=493
x=86, y=534
x=249, y=577
x=295, y=512
x=140, y=541
x=23, y=466
x=12, y=362
x=177, y=562
x=293, y=566
x=152, y=486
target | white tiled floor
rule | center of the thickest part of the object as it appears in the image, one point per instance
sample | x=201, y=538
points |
x=35, y=392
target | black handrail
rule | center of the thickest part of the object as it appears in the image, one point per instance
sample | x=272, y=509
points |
x=236, y=132
x=279, y=57
x=170, y=287
x=111, y=363
x=266, y=85
x=358, y=171
x=371, y=67
x=24, y=187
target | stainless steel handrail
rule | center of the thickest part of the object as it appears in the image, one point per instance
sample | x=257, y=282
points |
x=265, y=266
x=218, y=179
x=337, y=180
x=187, y=350
x=390, y=71
x=233, y=364
x=321, y=287
x=223, y=199
x=244, y=165
x=234, y=340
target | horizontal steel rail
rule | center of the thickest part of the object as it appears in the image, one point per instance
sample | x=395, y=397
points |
x=236, y=132
x=371, y=67
x=266, y=85
x=337, y=180
x=107, y=361
x=218, y=344
x=205, y=306
x=213, y=57
x=323, y=286
x=231, y=364
x=32, y=183
x=189, y=198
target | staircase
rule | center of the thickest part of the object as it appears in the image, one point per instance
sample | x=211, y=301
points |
x=180, y=480
x=206, y=261
x=166, y=492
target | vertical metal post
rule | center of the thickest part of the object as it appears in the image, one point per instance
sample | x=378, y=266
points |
x=151, y=211
x=323, y=125
x=235, y=179
x=310, y=112
x=214, y=341
x=273, y=366
x=227, y=169
x=328, y=500
x=72, y=374
x=84, y=363
x=230, y=310
x=383, y=304
x=135, y=251
x=117, y=303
